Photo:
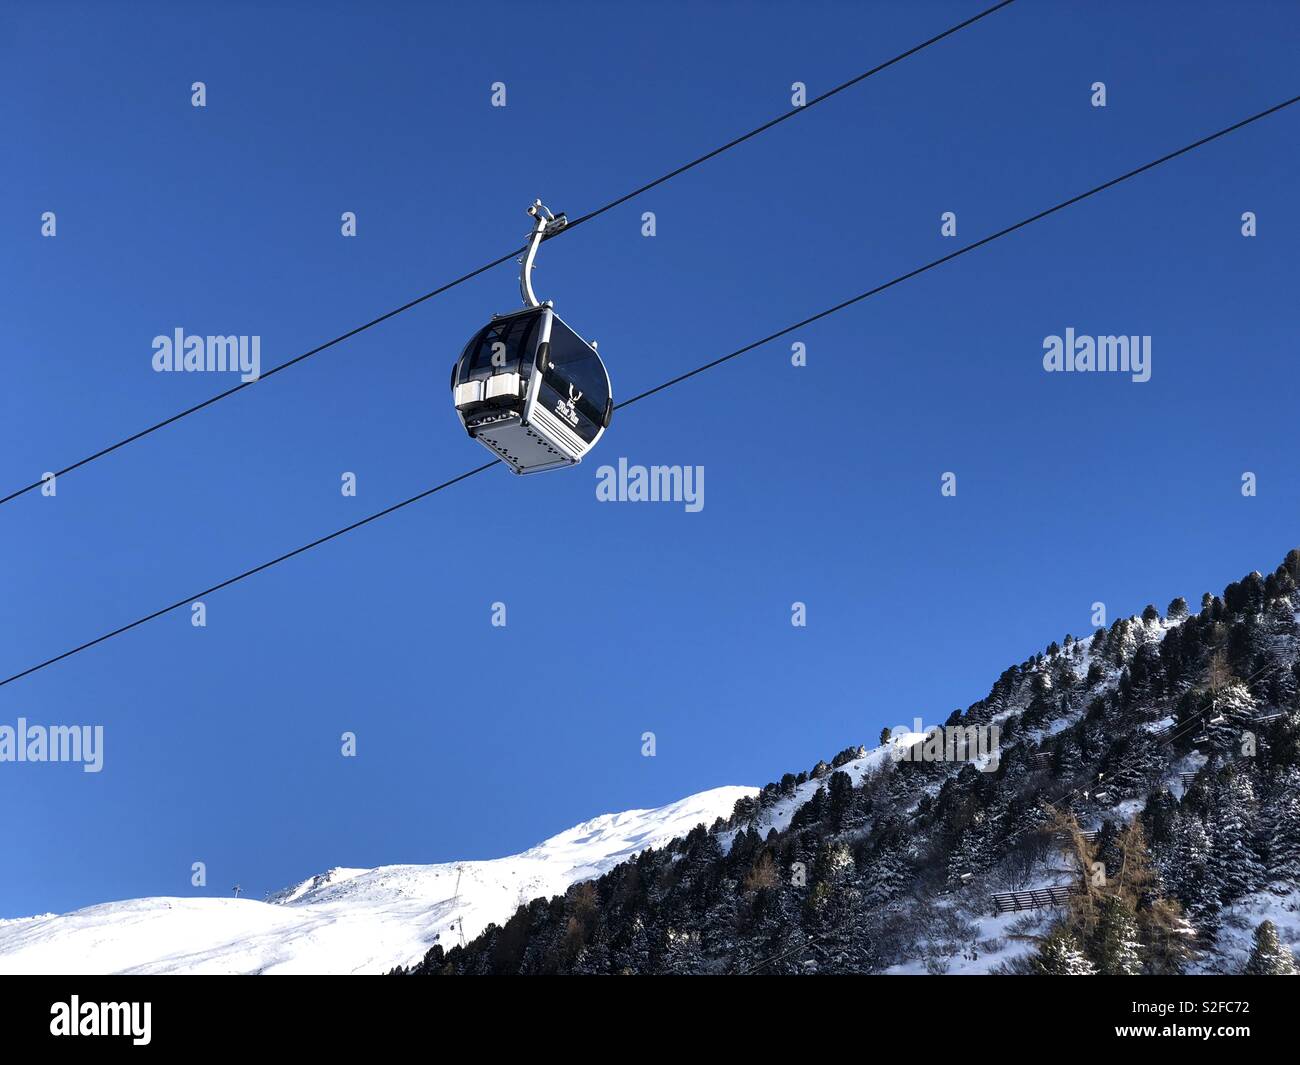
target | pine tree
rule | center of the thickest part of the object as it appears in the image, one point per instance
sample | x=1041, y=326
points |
x=1188, y=872
x=1270, y=957
x=763, y=876
x=1284, y=828
x=1060, y=956
x=972, y=852
x=682, y=955
x=1234, y=865
x=1134, y=765
x=886, y=874
x=1068, y=759
x=1232, y=711
x=1132, y=878
x=840, y=800
x=1169, y=938
x=1118, y=948
x=633, y=954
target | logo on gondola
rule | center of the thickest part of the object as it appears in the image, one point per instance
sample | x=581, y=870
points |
x=568, y=408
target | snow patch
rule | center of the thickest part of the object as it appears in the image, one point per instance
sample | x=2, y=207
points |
x=344, y=920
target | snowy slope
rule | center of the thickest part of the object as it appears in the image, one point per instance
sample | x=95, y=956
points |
x=346, y=920
x=779, y=815
x=997, y=938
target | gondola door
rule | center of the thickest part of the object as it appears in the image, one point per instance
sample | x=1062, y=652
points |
x=570, y=398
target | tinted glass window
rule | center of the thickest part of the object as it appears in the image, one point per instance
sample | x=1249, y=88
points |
x=575, y=364
x=511, y=340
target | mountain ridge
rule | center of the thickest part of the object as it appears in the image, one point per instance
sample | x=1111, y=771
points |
x=1162, y=751
x=344, y=920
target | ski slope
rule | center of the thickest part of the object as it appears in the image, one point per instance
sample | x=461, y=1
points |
x=346, y=920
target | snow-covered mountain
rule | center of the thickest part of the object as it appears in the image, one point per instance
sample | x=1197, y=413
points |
x=1124, y=803
x=1132, y=806
x=345, y=920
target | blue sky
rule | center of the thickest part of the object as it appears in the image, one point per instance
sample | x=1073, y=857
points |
x=822, y=482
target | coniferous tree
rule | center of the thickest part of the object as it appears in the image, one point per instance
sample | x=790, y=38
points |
x=1135, y=766
x=886, y=873
x=1118, y=950
x=1269, y=957
x=1060, y=956
x=633, y=953
x=1068, y=759
x=1189, y=870
x=1169, y=938
x=682, y=954
x=1283, y=839
x=972, y=850
x=840, y=798
x=1233, y=863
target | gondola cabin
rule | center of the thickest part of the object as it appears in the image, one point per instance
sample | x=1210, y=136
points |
x=532, y=391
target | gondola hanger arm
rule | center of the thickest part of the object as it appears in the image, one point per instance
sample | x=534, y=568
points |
x=545, y=225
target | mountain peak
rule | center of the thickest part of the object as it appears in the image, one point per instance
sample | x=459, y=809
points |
x=344, y=920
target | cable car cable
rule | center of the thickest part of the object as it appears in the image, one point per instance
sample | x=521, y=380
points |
x=274, y=370
x=508, y=256
x=788, y=114
x=667, y=384
x=960, y=251
x=256, y=569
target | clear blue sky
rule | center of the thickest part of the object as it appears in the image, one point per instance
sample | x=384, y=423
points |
x=822, y=483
